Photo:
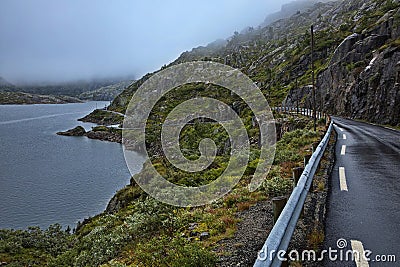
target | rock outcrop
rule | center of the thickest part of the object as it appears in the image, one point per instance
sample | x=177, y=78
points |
x=110, y=134
x=362, y=80
x=77, y=131
x=99, y=132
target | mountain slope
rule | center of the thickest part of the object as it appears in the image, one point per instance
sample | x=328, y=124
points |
x=290, y=9
x=278, y=58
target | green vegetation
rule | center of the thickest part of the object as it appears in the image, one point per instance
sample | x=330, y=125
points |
x=104, y=117
x=142, y=231
x=33, y=247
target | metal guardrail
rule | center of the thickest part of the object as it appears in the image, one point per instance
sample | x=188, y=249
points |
x=298, y=110
x=281, y=234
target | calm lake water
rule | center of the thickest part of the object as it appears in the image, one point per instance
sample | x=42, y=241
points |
x=46, y=178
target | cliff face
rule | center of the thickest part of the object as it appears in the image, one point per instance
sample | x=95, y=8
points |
x=363, y=78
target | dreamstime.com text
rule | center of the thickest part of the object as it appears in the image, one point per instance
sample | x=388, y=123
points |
x=341, y=253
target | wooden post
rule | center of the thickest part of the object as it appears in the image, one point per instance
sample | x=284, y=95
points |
x=314, y=147
x=278, y=203
x=306, y=160
x=285, y=263
x=296, y=175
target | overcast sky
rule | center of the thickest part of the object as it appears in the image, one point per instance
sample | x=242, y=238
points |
x=60, y=40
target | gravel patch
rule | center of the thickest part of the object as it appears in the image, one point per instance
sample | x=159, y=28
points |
x=253, y=230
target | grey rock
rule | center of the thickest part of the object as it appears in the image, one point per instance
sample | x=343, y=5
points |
x=192, y=226
x=204, y=235
x=362, y=80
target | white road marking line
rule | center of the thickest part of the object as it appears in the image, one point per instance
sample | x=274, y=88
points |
x=341, y=129
x=359, y=257
x=342, y=178
x=343, y=151
x=344, y=137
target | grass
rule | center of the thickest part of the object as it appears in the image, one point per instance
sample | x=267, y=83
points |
x=315, y=238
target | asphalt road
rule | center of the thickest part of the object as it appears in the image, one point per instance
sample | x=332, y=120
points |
x=364, y=199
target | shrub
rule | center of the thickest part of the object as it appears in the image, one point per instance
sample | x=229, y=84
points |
x=167, y=251
x=277, y=186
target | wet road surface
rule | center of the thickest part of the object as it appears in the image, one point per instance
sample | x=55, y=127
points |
x=364, y=200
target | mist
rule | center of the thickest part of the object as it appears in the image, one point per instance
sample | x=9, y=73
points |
x=68, y=40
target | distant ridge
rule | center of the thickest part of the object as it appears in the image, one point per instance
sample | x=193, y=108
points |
x=97, y=89
x=290, y=9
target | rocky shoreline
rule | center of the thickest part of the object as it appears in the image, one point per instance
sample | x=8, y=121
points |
x=102, y=133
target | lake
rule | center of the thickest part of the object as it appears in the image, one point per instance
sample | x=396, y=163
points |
x=46, y=178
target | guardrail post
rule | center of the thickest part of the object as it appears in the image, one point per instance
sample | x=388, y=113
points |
x=278, y=203
x=321, y=136
x=306, y=160
x=296, y=175
x=314, y=147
